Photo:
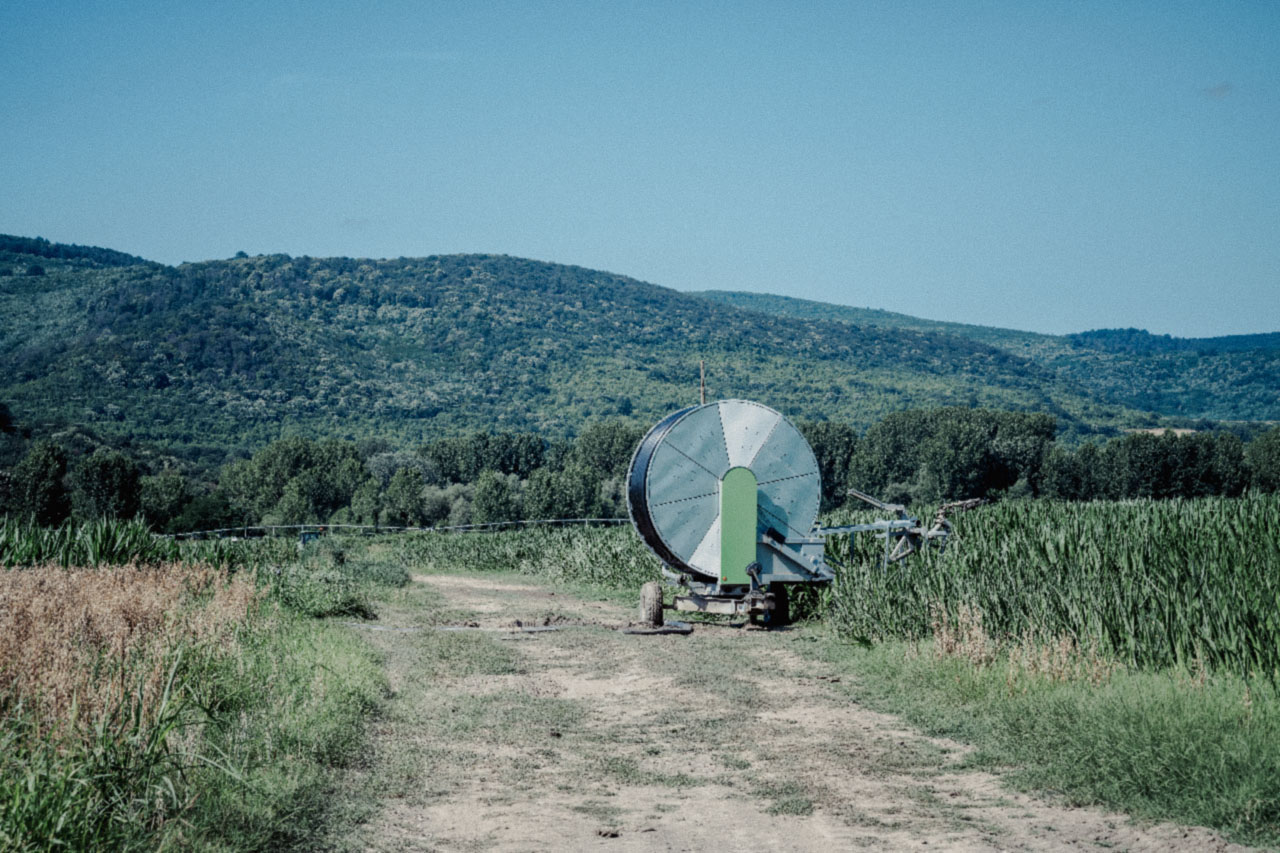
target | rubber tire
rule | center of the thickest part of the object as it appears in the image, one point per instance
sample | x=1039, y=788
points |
x=781, y=613
x=651, y=604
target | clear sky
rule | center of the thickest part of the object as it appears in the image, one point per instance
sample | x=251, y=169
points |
x=1052, y=166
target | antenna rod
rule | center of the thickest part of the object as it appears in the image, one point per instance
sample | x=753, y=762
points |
x=702, y=381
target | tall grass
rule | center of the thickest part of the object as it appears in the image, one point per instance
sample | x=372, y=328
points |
x=79, y=646
x=1153, y=583
x=329, y=578
x=168, y=705
x=602, y=556
x=335, y=577
x=23, y=543
x=1178, y=745
x=94, y=664
x=115, y=542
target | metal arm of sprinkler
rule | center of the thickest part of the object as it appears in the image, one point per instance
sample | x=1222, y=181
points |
x=898, y=509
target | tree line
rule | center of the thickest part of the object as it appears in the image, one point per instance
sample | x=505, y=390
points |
x=956, y=453
x=916, y=456
x=475, y=479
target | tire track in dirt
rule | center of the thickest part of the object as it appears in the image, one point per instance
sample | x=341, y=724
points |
x=591, y=739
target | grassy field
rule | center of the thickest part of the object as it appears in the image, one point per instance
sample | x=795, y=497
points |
x=1118, y=654
x=1170, y=744
x=156, y=704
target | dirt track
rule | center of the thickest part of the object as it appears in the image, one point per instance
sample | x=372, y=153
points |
x=588, y=739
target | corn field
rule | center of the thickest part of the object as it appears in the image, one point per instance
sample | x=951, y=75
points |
x=113, y=542
x=1152, y=582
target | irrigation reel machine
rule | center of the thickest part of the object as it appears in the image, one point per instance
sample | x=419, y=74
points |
x=726, y=495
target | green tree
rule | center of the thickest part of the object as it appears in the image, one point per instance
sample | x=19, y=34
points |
x=833, y=446
x=163, y=498
x=206, y=512
x=1061, y=476
x=318, y=479
x=955, y=462
x=496, y=498
x=951, y=453
x=38, y=490
x=105, y=484
x=463, y=459
x=295, y=505
x=574, y=492
x=384, y=465
x=1206, y=464
x=1263, y=460
x=542, y=498
x=460, y=497
x=1094, y=483
x=606, y=447
x=239, y=486
x=278, y=463
x=402, y=502
x=437, y=504
x=366, y=502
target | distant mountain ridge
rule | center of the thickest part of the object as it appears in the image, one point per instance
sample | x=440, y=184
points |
x=42, y=248
x=1142, y=341
x=234, y=353
x=1235, y=377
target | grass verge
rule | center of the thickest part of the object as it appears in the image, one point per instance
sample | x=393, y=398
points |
x=1175, y=745
x=175, y=706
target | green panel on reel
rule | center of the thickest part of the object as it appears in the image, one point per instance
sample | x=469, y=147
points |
x=737, y=525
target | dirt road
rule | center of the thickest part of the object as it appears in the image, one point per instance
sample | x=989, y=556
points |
x=585, y=738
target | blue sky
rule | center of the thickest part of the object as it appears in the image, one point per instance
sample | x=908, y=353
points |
x=1035, y=165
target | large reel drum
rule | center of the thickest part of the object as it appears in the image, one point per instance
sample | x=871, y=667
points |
x=694, y=474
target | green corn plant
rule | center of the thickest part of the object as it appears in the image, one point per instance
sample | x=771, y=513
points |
x=1154, y=583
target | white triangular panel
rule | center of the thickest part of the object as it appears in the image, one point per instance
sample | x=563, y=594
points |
x=706, y=557
x=746, y=429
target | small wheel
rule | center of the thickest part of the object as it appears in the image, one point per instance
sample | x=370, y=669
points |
x=651, y=603
x=780, y=613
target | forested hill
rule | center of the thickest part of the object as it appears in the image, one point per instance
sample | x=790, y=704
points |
x=38, y=247
x=1142, y=341
x=233, y=353
x=1236, y=377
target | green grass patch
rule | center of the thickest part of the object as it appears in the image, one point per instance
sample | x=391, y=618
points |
x=1173, y=745
x=787, y=798
x=289, y=715
x=458, y=654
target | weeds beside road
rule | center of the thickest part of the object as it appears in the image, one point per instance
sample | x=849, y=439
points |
x=172, y=705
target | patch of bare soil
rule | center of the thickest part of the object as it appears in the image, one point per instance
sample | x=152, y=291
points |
x=589, y=739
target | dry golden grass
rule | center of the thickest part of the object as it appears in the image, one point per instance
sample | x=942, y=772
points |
x=964, y=637
x=78, y=646
x=1059, y=658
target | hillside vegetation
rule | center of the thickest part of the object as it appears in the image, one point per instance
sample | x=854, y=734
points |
x=234, y=353
x=1228, y=378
